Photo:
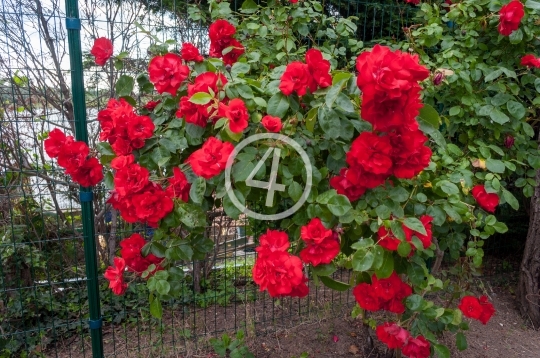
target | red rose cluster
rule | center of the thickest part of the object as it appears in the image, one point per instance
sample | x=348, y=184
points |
x=299, y=77
x=73, y=157
x=222, y=43
x=132, y=258
x=167, y=73
x=276, y=270
x=197, y=114
x=396, y=337
x=123, y=128
x=211, y=159
x=487, y=201
x=139, y=199
x=383, y=294
x=530, y=61
x=510, y=17
x=390, y=102
x=322, y=245
x=477, y=308
x=102, y=50
x=390, y=242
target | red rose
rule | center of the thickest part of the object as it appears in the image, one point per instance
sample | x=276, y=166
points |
x=235, y=49
x=392, y=335
x=296, y=78
x=409, y=156
x=510, y=17
x=272, y=241
x=72, y=156
x=131, y=253
x=319, y=69
x=179, y=186
x=272, y=124
x=487, y=310
x=320, y=253
x=211, y=159
x=191, y=113
x=221, y=38
x=349, y=183
x=366, y=297
x=167, y=73
x=190, y=53
x=152, y=205
x=487, y=201
x=102, y=50
x=131, y=179
x=388, y=240
x=414, y=2
x=140, y=127
x=115, y=275
x=300, y=290
x=279, y=273
x=315, y=232
x=207, y=81
x=372, y=153
x=471, y=307
x=55, y=142
x=417, y=347
x=426, y=239
x=237, y=114
x=530, y=61
x=89, y=173
x=151, y=105
x=122, y=161
x=389, y=288
x=383, y=71
x=221, y=29
x=509, y=141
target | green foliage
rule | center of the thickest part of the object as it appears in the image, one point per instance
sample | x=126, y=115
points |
x=229, y=347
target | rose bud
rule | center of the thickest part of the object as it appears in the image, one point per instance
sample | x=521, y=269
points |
x=228, y=68
x=439, y=76
x=508, y=141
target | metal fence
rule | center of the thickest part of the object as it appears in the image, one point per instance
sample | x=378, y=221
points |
x=49, y=229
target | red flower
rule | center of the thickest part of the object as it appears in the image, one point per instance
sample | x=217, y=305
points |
x=271, y=124
x=315, y=232
x=410, y=156
x=471, y=307
x=221, y=38
x=320, y=253
x=388, y=240
x=191, y=113
x=122, y=161
x=179, y=186
x=414, y=2
x=300, y=290
x=392, y=335
x=319, y=69
x=237, y=114
x=140, y=127
x=279, y=273
x=426, y=239
x=207, y=81
x=391, y=287
x=509, y=141
x=221, y=29
x=349, y=183
x=371, y=153
x=487, y=201
x=296, y=78
x=132, y=254
x=417, y=347
x=152, y=205
x=190, y=53
x=530, y=61
x=88, y=174
x=55, y=142
x=366, y=297
x=234, y=50
x=72, y=156
x=167, y=73
x=211, y=159
x=487, y=310
x=510, y=17
x=151, y=105
x=131, y=179
x=115, y=275
x=272, y=241
x=102, y=50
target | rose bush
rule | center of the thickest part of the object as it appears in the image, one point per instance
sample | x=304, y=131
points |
x=394, y=184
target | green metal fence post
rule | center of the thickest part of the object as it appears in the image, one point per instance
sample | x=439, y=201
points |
x=73, y=26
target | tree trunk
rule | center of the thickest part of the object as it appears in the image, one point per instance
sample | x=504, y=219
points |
x=529, y=276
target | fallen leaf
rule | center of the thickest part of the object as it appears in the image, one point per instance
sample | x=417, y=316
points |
x=353, y=349
x=479, y=163
x=353, y=334
x=335, y=338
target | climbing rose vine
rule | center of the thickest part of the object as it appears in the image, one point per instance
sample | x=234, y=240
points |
x=386, y=199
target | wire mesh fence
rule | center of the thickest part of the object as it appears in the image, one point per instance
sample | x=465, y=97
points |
x=44, y=308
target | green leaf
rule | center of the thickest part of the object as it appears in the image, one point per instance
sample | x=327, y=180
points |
x=105, y=148
x=295, y=191
x=494, y=165
x=493, y=75
x=311, y=119
x=192, y=215
x=516, y=36
x=387, y=266
x=124, y=86
x=404, y=249
x=461, y=341
x=339, y=205
x=414, y=302
x=430, y=116
x=249, y=7
x=329, y=122
x=324, y=270
x=230, y=208
x=415, y=225
x=362, y=260
x=201, y=98
x=398, y=194
x=415, y=274
x=163, y=287
x=155, y=307
x=198, y=187
x=510, y=199
x=333, y=284
x=441, y=351
x=278, y=105
x=448, y=187
x=498, y=117
x=516, y=109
